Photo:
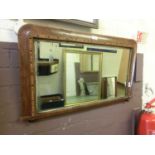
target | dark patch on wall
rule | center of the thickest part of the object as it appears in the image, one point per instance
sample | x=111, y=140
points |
x=114, y=120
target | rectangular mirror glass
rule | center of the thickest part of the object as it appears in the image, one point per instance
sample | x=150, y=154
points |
x=69, y=74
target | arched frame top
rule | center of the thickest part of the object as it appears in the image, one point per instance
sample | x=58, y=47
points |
x=26, y=36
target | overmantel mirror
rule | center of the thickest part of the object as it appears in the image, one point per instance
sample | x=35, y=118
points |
x=64, y=71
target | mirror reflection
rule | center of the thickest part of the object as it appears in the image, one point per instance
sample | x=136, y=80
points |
x=69, y=74
x=82, y=77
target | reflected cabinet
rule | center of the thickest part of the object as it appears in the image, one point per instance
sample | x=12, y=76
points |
x=64, y=71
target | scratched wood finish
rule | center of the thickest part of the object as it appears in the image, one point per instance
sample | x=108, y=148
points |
x=26, y=36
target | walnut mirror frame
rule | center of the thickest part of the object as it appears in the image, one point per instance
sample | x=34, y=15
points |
x=27, y=36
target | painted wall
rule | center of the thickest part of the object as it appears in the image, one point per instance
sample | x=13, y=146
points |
x=114, y=119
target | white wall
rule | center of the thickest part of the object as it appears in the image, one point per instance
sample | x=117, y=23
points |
x=47, y=83
x=71, y=59
x=120, y=28
x=7, y=31
x=109, y=61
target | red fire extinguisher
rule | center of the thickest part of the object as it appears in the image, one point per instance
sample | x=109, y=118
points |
x=146, y=125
